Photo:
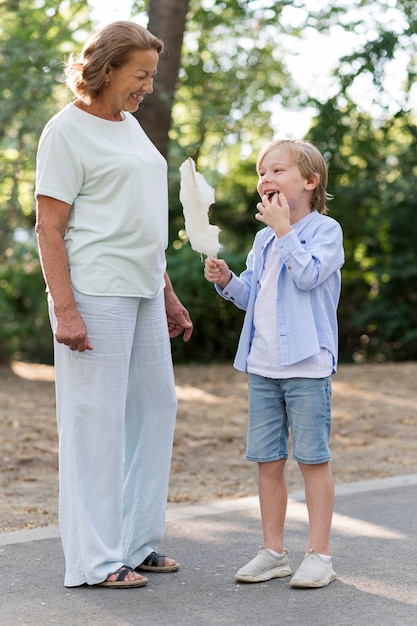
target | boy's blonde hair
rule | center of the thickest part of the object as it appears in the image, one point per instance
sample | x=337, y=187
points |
x=109, y=47
x=309, y=161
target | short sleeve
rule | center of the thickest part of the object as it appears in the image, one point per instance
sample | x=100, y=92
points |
x=58, y=168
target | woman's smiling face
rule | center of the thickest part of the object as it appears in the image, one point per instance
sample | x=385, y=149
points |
x=126, y=86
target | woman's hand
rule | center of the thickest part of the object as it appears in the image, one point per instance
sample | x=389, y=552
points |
x=71, y=331
x=178, y=318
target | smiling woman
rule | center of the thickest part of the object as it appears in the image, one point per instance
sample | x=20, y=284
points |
x=102, y=226
x=109, y=79
x=124, y=87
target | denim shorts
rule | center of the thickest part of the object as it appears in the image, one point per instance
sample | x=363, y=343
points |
x=299, y=405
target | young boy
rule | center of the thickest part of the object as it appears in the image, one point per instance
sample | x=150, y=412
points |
x=288, y=346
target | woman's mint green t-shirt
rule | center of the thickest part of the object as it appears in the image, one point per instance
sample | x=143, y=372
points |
x=116, y=182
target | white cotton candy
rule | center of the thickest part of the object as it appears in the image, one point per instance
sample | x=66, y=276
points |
x=196, y=197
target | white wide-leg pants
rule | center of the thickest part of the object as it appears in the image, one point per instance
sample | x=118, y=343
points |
x=116, y=408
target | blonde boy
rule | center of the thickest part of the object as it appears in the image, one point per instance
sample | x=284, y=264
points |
x=288, y=345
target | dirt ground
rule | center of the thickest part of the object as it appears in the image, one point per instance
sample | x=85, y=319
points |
x=374, y=435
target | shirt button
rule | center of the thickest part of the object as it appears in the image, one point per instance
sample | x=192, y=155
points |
x=289, y=267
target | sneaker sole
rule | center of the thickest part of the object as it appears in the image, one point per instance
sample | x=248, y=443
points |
x=279, y=572
x=300, y=584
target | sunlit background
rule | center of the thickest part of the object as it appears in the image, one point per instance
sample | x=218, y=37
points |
x=343, y=77
x=312, y=56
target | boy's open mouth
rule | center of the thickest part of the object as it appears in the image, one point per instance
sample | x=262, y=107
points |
x=270, y=195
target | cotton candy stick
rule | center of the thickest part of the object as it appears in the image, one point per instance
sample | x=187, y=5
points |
x=196, y=197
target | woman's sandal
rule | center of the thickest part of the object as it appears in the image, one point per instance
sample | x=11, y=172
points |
x=120, y=582
x=156, y=563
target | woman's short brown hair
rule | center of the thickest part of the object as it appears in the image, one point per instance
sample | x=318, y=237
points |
x=309, y=161
x=109, y=47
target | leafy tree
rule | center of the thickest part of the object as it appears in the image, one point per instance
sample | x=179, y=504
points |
x=166, y=21
x=216, y=100
x=373, y=165
x=369, y=147
x=35, y=36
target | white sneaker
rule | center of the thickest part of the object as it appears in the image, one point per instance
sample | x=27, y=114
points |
x=264, y=567
x=313, y=572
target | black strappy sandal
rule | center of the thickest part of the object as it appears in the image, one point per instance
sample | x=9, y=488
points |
x=156, y=563
x=120, y=582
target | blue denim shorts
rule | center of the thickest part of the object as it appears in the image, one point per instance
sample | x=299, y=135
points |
x=299, y=405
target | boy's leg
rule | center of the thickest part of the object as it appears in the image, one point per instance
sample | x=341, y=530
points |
x=319, y=491
x=267, y=439
x=309, y=413
x=316, y=569
x=308, y=403
x=267, y=444
x=273, y=503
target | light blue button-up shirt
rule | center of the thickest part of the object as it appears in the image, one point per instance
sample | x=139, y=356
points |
x=308, y=289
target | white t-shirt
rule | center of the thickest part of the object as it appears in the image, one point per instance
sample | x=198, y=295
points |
x=264, y=355
x=116, y=181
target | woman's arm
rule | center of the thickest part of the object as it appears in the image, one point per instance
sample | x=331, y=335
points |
x=51, y=223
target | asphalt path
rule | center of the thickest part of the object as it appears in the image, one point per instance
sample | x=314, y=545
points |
x=374, y=543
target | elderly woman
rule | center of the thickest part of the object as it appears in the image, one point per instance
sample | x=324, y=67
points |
x=102, y=224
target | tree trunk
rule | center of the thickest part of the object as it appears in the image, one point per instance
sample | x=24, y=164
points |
x=167, y=22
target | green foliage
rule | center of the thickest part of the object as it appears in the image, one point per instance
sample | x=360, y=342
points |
x=389, y=315
x=217, y=323
x=35, y=36
x=25, y=331
x=372, y=177
x=233, y=73
x=221, y=119
x=229, y=49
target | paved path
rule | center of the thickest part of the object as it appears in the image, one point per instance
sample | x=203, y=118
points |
x=375, y=558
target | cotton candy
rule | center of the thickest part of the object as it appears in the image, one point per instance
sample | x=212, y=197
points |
x=196, y=197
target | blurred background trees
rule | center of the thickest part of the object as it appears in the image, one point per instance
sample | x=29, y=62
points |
x=35, y=36
x=226, y=79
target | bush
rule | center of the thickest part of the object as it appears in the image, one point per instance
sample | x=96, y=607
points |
x=217, y=323
x=25, y=333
